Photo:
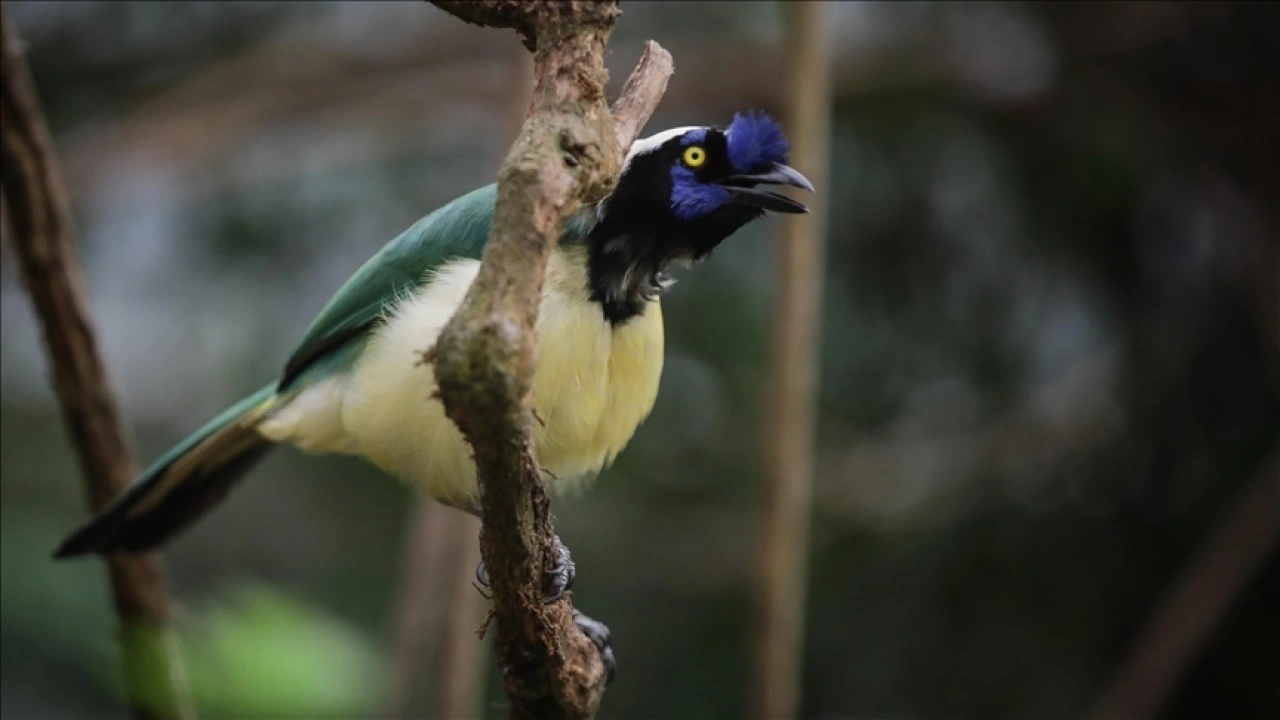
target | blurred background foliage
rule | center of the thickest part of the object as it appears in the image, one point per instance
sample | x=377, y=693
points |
x=1049, y=349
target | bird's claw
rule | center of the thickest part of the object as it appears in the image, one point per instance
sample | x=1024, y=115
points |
x=598, y=633
x=559, y=577
x=556, y=580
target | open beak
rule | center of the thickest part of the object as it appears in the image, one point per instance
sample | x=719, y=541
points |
x=779, y=174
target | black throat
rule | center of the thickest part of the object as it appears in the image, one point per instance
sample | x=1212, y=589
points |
x=627, y=256
x=630, y=248
x=638, y=233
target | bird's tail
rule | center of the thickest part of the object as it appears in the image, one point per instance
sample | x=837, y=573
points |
x=181, y=486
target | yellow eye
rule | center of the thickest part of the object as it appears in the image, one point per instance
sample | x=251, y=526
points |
x=695, y=156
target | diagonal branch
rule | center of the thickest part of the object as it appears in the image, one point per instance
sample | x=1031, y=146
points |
x=1186, y=615
x=641, y=93
x=567, y=153
x=39, y=221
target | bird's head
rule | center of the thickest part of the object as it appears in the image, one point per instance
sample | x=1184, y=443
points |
x=680, y=194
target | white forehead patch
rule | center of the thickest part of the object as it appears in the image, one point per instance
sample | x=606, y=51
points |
x=653, y=142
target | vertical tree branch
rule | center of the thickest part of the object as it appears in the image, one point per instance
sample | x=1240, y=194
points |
x=784, y=539
x=567, y=153
x=40, y=224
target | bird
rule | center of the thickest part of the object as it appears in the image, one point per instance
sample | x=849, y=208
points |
x=355, y=385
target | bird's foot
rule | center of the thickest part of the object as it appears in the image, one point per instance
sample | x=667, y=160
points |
x=598, y=633
x=560, y=576
x=556, y=580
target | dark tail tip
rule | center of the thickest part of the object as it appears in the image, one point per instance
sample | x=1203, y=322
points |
x=125, y=527
x=94, y=537
x=70, y=549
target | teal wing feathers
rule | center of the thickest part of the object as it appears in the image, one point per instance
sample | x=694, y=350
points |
x=191, y=478
x=457, y=230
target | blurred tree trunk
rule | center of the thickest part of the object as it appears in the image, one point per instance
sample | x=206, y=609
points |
x=461, y=661
x=437, y=601
x=420, y=600
x=789, y=430
x=38, y=219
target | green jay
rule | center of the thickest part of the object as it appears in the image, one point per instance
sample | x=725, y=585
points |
x=354, y=384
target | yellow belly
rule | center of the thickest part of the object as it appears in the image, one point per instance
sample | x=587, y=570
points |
x=593, y=386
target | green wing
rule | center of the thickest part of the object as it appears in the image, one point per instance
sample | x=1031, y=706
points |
x=457, y=230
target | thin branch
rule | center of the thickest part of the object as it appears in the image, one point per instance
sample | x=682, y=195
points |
x=1186, y=615
x=639, y=96
x=39, y=220
x=784, y=539
x=567, y=153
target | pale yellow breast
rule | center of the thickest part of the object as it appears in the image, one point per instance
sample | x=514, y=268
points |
x=593, y=385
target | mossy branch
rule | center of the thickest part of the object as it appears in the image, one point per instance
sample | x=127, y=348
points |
x=568, y=152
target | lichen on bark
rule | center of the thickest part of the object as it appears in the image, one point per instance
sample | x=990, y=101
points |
x=567, y=153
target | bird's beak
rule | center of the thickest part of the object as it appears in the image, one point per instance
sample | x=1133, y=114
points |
x=743, y=190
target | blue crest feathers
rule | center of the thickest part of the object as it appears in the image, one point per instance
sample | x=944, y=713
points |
x=755, y=140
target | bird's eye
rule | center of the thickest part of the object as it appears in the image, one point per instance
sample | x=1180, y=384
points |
x=695, y=156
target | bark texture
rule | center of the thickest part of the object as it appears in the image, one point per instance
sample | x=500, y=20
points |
x=789, y=432
x=568, y=152
x=39, y=223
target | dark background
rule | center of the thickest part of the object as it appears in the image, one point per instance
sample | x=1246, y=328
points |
x=1049, y=358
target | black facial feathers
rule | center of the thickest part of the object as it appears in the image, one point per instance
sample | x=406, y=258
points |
x=639, y=234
